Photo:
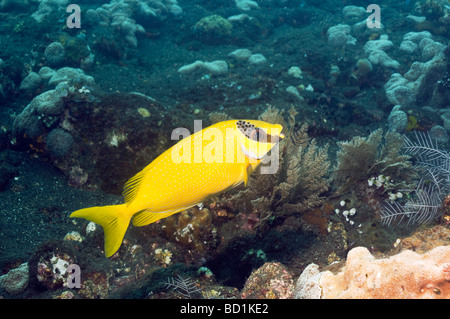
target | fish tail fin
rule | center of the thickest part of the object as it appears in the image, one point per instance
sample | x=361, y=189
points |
x=114, y=221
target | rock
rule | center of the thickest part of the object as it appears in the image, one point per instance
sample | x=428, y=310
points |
x=16, y=280
x=49, y=103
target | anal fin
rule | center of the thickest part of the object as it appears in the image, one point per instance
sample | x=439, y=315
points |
x=146, y=217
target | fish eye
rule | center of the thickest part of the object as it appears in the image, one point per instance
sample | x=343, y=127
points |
x=258, y=135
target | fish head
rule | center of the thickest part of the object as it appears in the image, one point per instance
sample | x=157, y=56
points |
x=257, y=138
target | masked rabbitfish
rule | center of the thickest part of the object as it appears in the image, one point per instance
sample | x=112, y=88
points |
x=205, y=163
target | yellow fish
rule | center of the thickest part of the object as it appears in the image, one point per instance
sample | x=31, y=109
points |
x=205, y=163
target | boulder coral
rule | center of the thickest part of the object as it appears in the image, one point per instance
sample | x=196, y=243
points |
x=407, y=275
x=422, y=83
x=339, y=35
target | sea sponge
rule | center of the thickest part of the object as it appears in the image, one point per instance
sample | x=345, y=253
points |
x=364, y=67
x=59, y=142
x=430, y=48
x=407, y=275
x=397, y=120
x=339, y=35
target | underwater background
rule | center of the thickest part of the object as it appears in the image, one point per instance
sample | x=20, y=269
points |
x=362, y=190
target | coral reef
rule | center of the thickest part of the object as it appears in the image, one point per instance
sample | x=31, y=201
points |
x=375, y=49
x=47, y=7
x=405, y=275
x=297, y=184
x=246, y=5
x=328, y=180
x=361, y=158
x=31, y=121
x=240, y=54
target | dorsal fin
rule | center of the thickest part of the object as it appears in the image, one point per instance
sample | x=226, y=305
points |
x=131, y=187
